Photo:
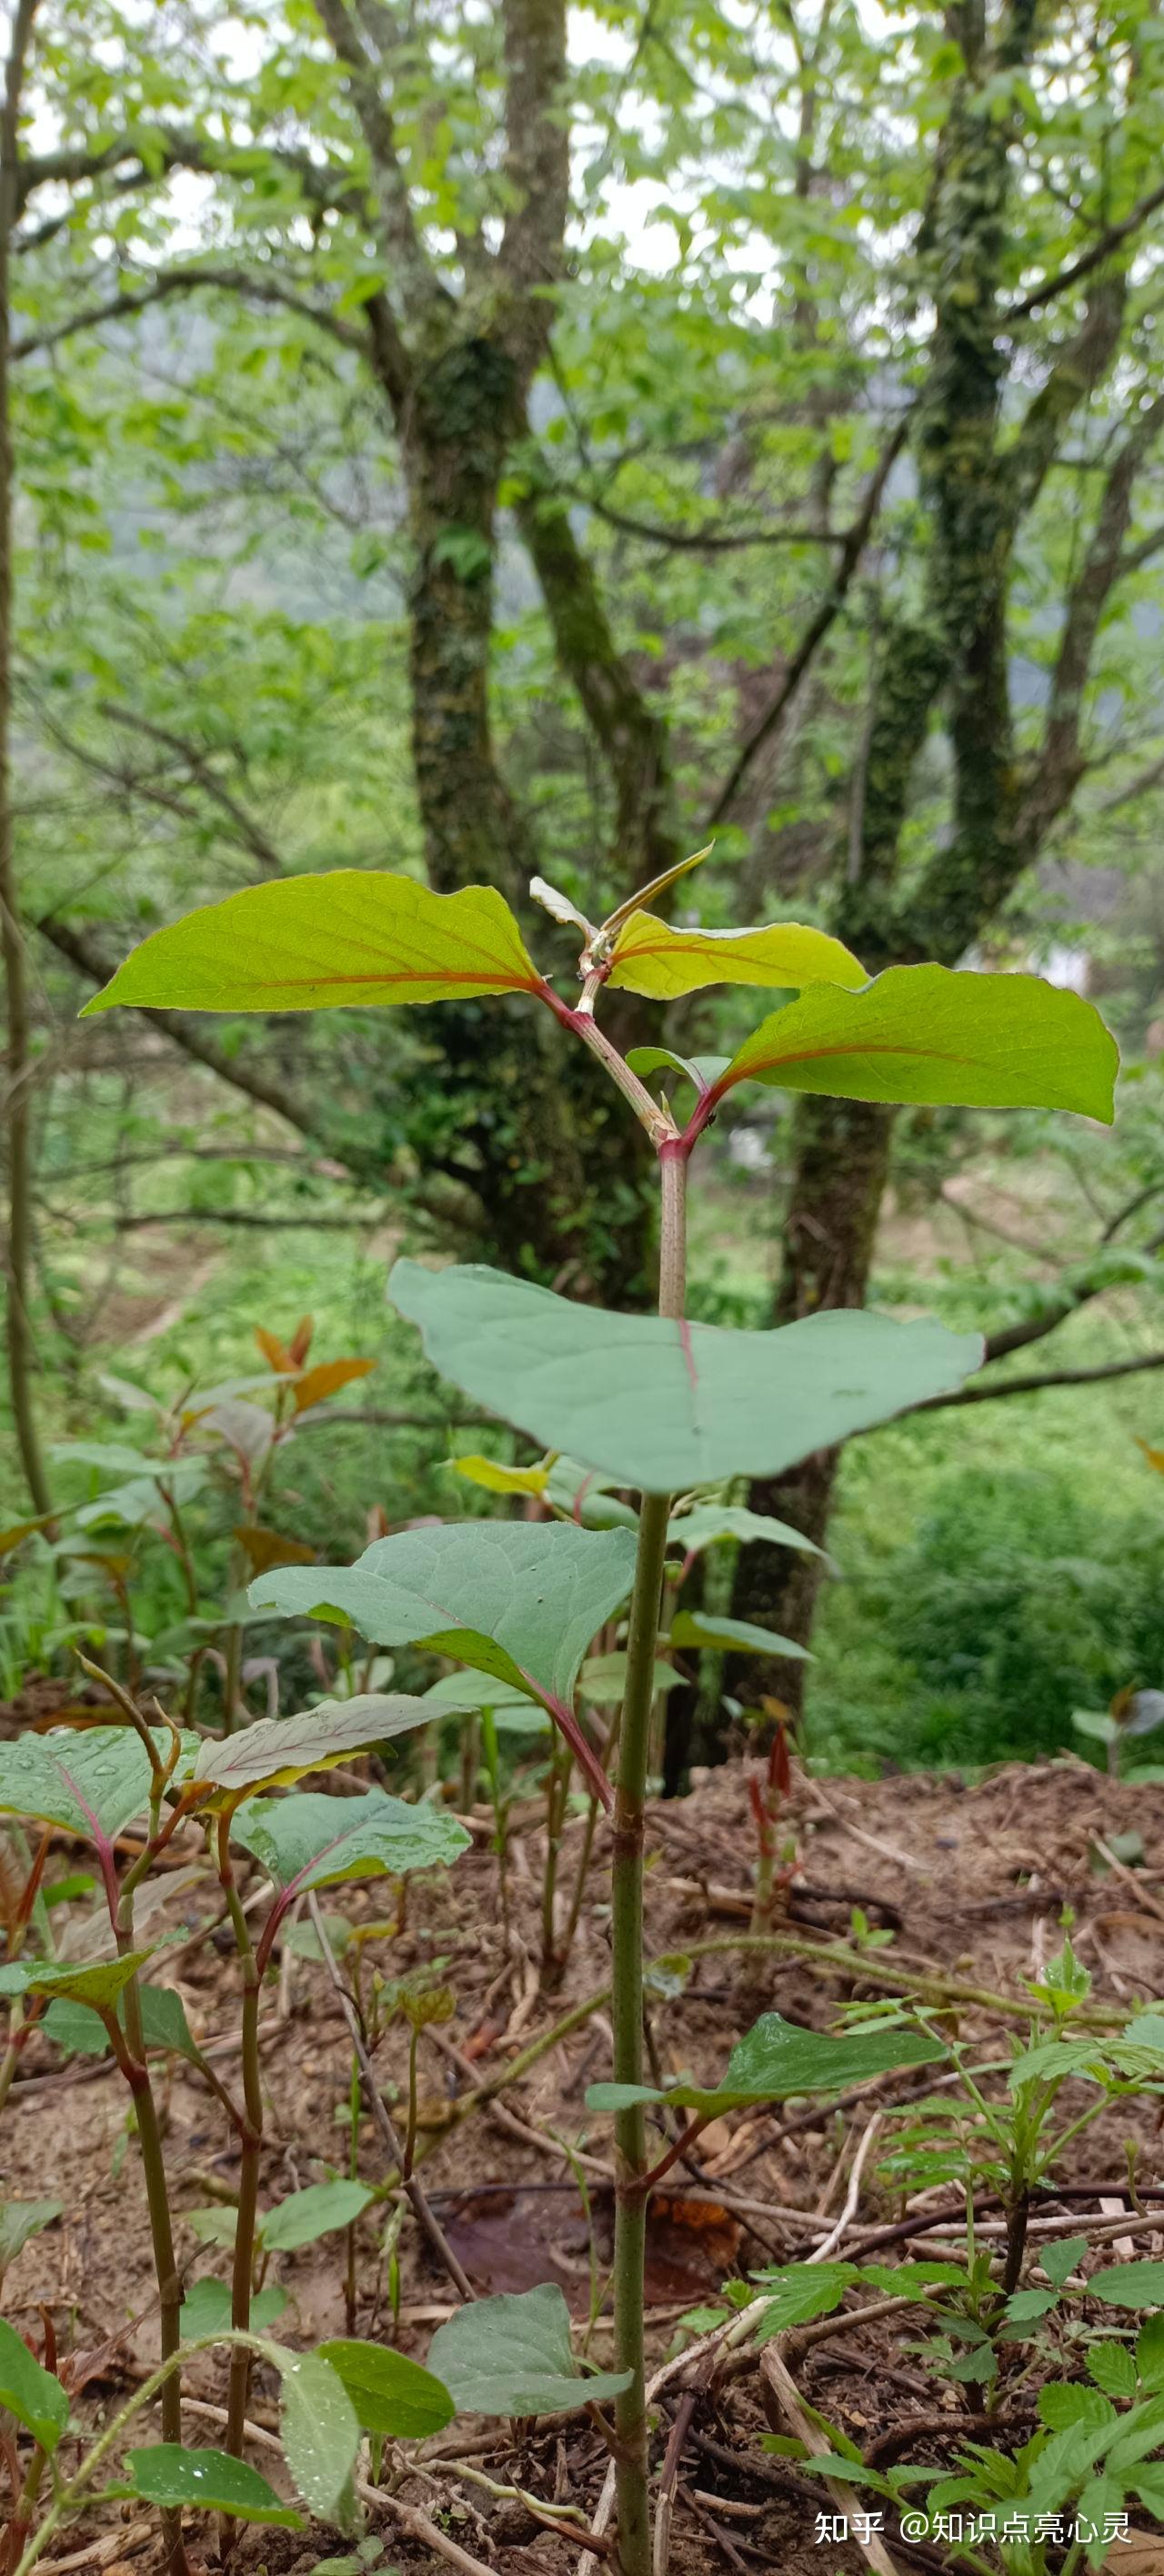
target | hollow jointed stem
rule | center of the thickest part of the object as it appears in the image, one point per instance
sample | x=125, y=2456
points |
x=634, y=2530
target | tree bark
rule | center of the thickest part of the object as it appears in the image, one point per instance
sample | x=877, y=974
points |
x=841, y=1150
x=22, y=1358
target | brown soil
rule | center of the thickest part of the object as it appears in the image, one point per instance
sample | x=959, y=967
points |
x=973, y=1880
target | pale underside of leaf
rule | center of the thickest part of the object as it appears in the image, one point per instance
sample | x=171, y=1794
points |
x=276, y=1750
x=661, y=1405
x=312, y=943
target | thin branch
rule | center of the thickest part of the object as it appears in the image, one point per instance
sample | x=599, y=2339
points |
x=1033, y=1385
x=185, y=281
x=420, y=288
x=260, y=1220
x=771, y=722
x=426, y=2219
x=250, y=833
x=706, y=541
x=1088, y=260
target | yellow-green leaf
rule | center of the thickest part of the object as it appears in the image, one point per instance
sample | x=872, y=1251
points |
x=314, y=943
x=496, y=1479
x=935, y=1034
x=650, y=957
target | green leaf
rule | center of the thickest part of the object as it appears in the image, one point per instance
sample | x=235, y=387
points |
x=518, y=1599
x=1129, y=2285
x=1024, y=2306
x=710, y=1524
x=494, y=1478
x=1113, y=2369
x=776, y=2059
x=513, y=2356
x=707, y=1628
x=19, y=2221
x=80, y=2031
x=304, y=2216
x=113, y=1457
x=702, y=1070
x=935, y=1034
x=662, y=1405
x=456, y=1691
x=276, y=1750
x=1150, y=2351
x=603, y=1678
x=99, y=1984
x=315, y=1841
x=33, y=2395
x=318, y=943
x=92, y=1784
x=1060, y=2261
x=391, y=2395
x=168, y=2474
x=622, y=2097
x=207, y=2305
x=650, y=956
x=800, y=2291
x=321, y=2435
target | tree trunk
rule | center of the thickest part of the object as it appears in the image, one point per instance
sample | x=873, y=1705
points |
x=841, y=1152
x=529, y=1122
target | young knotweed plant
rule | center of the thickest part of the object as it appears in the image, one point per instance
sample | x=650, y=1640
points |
x=96, y=1783
x=329, y=2400
x=654, y=1403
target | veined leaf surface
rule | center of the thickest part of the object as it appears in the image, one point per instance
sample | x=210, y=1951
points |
x=658, y=1404
x=312, y=943
x=92, y=1783
x=651, y=956
x=518, y=1599
x=312, y=1840
x=276, y=1750
x=938, y=1035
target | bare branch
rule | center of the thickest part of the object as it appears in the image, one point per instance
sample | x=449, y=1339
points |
x=706, y=541
x=1034, y=1385
x=1088, y=260
x=1059, y=765
x=185, y=281
x=247, y=830
x=631, y=733
x=770, y=724
x=420, y=288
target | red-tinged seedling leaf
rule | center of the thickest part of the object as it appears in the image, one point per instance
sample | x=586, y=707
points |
x=935, y=1035
x=650, y=956
x=274, y=1351
x=300, y=1342
x=316, y=943
x=662, y=1405
x=276, y=1750
x=266, y=1547
x=327, y=1379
